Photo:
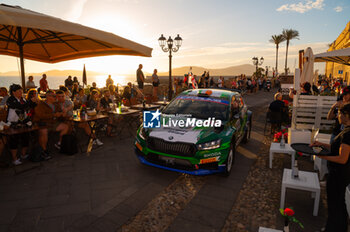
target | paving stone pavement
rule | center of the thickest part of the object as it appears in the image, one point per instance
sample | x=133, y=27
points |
x=99, y=192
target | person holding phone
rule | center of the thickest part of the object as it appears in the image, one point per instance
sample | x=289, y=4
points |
x=339, y=173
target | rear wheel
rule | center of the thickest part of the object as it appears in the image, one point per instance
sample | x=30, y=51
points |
x=230, y=159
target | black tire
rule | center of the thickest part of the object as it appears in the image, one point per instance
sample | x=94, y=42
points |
x=246, y=135
x=230, y=159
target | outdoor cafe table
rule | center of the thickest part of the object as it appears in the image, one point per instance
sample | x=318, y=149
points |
x=7, y=133
x=91, y=121
x=128, y=119
x=146, y=107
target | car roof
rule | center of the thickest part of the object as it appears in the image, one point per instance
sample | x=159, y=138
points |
x=212, y=92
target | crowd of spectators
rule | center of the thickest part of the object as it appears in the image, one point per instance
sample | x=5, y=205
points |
x=52, y=111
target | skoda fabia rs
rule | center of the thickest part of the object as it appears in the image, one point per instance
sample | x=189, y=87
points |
x=196, y=133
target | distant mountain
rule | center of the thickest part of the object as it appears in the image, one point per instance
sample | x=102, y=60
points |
x=246, y=69
x=55, y=73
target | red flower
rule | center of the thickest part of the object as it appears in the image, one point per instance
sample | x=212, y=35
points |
x=286, y=102
x=288, y=212
x=300, y=154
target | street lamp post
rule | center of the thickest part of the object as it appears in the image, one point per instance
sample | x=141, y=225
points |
x=256, y=62
x=170, y=48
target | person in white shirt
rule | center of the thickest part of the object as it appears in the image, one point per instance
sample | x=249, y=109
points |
x=220, y=82
x=30, y=83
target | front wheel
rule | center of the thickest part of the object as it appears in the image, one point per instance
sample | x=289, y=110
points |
x=230, y=159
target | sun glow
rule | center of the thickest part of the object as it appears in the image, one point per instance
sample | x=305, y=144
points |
x=118, y=80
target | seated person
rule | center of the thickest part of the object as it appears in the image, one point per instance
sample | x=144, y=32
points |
x=65, y=103
x=94, y=101
x=46, y=114
x=306, y=89
x=17, y=114
x=66, y=91
x=104, y=103
x=4, y=94
x=67, y=107
x=106, y=100
x=33, y=99
x=80, y=99
x=114, y=95
x=75, y=90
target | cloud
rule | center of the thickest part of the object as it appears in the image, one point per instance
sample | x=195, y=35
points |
x=303, y=7
x=338, y=9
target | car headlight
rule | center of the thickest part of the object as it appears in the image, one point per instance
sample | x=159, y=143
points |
x=210, y=145
x=142, y=133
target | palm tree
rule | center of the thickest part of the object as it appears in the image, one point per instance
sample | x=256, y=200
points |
x=277, y=39
x=288, y=35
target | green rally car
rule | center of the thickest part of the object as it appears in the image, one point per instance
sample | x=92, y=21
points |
x=196, y=133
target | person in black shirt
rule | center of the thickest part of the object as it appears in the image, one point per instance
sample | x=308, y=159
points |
x=277, y=112
x=339, y=174
x=332, y=114
x=106, y=100
x=17, y=115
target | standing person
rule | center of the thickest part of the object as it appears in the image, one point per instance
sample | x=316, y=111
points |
x=185, y=83
x=140, y=77
x=44, y=86
x=203, y=80
x=207, y=76
x=339, y=174
x=190, y=78
x=155, y=83
x=109, y=81
x=30, y=83
x=211, y=82
x=17, y=113
x=333, y=112
x=260, y=83
x=75, y=81
x=220, y=82
x=68, y=82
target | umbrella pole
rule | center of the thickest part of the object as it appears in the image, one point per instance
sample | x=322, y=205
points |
x=20, y=45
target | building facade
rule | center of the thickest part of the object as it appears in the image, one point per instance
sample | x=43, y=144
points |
x=336, y=70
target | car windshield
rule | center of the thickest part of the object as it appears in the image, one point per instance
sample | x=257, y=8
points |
x=199, y=107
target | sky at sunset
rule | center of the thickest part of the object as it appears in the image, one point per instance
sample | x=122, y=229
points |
x=216, y=34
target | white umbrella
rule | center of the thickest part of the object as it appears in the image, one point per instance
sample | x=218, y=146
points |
x=307, y=74
x=35, y=36
x=341, y=56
